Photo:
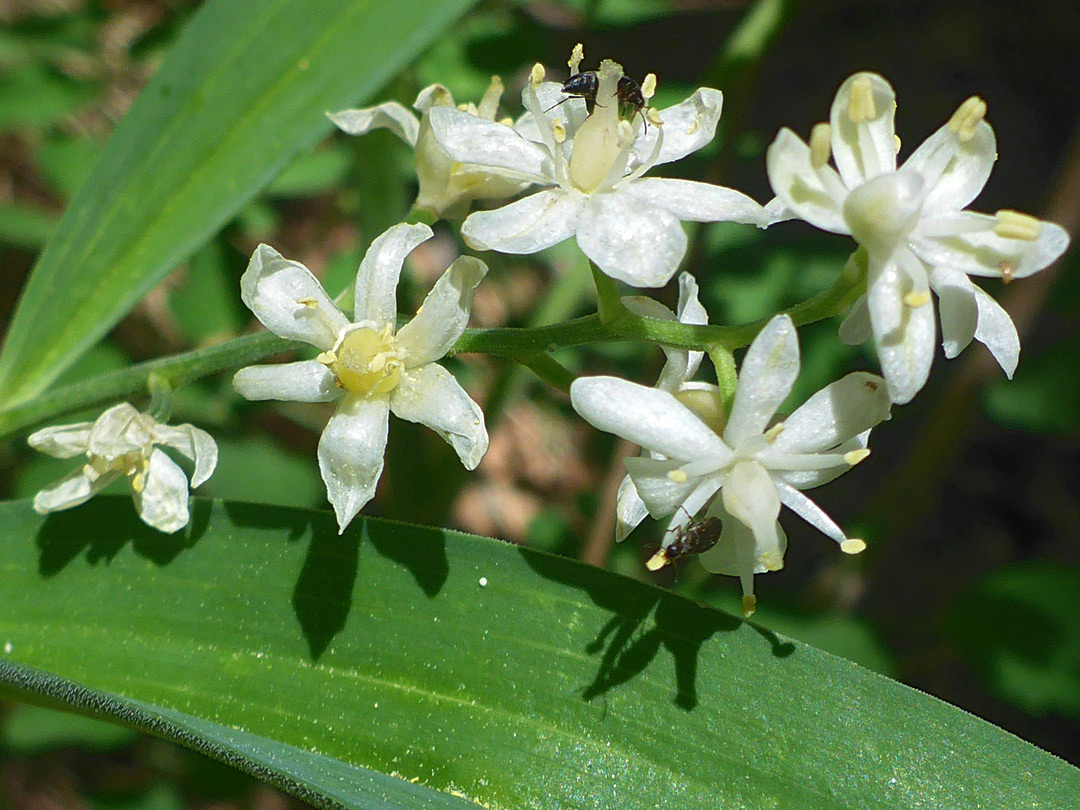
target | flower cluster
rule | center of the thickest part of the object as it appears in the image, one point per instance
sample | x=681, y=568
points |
x=716, y=459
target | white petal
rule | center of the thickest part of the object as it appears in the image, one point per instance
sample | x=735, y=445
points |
x=750, y=496
x=629, y=240
x=765, y=379
x=966, y=242
x=120, y=430
x=389, y=115
x=431, y=396
x=289, y=300
x=677, y=360
x=733, y=555
x=303, y=381
x=470, y=139
x=957, y=310
x=444, y=314
x=660, y=494
x=376, y=281
x=855, y=328
x=815, y=195
x=687, y=126
x=696, y=202
x=903, y=335
x=528, y=225
x=351, y=454
x=647, y=417
x=955, y=171
x=163, y=500
x=866, y=149
x=810, y=478
x=630, y=510
x=559, y=108
x=193, y=443
x=62, y=441
x=690, y=311
x=835, y=414
x=71, y=490
x=810, y=512
x=997, y=331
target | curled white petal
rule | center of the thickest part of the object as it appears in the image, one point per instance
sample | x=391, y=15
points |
x=815, y=195
x=389, y=115
x=997, y=332
x=766, y=377
x=120, y=430
x=162, y=501
x=73, y=489
x=302, y=381
x=431, y=396
x=688, y=126
x=662, y=494
x=192, y=443
x=904, y=334
x=473, y=140
x=954, y=171
x=957, y=310
x=289, y=300
x=376, y=281
x=630, y=510
x=855, y=328
x=629, y=240
x=690, y=201
x=835, y=414
x=443, y=316
x=351, y=454
x=536, y=222
x=62, y=441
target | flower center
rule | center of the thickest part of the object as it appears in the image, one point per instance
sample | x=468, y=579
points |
x=881, y=212
x=598, y=141
x=367, y=362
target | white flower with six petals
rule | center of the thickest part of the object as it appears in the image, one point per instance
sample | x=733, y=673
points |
x=629, y=226
x=366, y=364
x=912, y=224
x=753, y=466
x=123, y=441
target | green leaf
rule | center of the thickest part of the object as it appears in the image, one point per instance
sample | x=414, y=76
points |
x=33, y=729
x=245, y=88
x=330, y=664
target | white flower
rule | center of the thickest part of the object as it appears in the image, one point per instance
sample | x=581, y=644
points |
x=680, y=366
x=364, y=364
x=753, y=466
x=123, y=441
x=913, y=225
x=446, y=187
x=629, y=226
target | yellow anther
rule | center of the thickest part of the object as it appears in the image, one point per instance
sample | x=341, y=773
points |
x=648, y=87
x=657, y=560
x=558, y=129
x=310, y=303
x=861, y=106
x=537, y=74
x=1008, y=272
x=626, y=133
x=853, y=545
x=772, y=560
x=327, y=358
x=773, y=433
x=853, y=457
x=917, y=299
x=749, y=605
x=820, y=145
x=653, y=116
x=138, y=482
x=678, y=476
x=464, y=107
x=896, y=143
x=575, y=58
x=507, y=122
x=1014, y=225
x=967, y=118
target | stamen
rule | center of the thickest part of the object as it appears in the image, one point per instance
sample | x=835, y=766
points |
x=853, y=545
x=310, y=303
x=896, y=143
x=771, y=560
x=657, y=560
x=1014, y=225
x=820, y=145
x=558, y=129
x=1007, y=272
x=648, y=87
x=575, y=58
x=653, y=116
x=678, y=476
x=749, y=605
x=489, y=104
x=855, y=456
x=463, y=107
x=327, y=358
x=537, y=74
x=861, y=106
x=917, y=299
x=507, y=122
x=773, y=433
x=967, y=118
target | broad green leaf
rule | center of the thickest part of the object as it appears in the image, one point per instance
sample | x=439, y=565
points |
x=515, y=678
x=245, y=88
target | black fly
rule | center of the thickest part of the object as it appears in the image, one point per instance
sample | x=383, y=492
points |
x=585, y=85
x=694, y=537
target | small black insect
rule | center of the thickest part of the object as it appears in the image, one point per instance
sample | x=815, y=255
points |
x=585, y=85
x=694, y=537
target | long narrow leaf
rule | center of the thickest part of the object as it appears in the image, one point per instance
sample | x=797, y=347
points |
x=511, y=677
x=244, y=89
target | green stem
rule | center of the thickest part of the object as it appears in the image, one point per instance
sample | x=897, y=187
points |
x=726, y=375
x=608, y=301
x=550, y=371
